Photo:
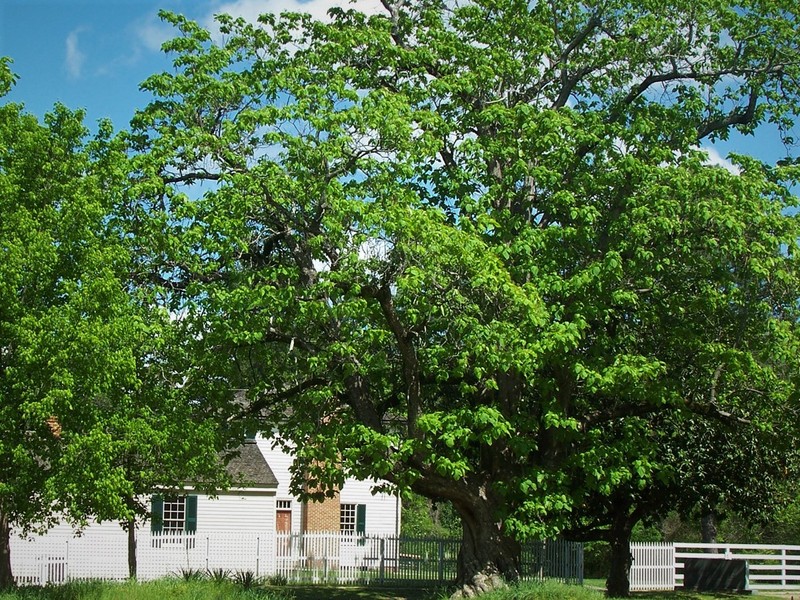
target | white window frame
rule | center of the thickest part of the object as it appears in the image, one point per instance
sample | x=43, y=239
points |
x=174, y=514
x=347, y=518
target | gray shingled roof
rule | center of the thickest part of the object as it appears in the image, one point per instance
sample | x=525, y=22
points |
x=250, y=468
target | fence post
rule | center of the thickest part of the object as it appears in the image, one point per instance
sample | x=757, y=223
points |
x=382, y=569
x=441, y=562
x=783, y=567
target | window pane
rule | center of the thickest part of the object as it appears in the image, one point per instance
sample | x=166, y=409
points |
x=347, y=519
x=174, y=513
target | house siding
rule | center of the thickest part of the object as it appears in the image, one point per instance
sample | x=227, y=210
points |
x=236, y=512
x=231, y=511
x=383, y=510
x=280, y=463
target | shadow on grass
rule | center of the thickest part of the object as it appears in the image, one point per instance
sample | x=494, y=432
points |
x=680, y=595
x=310, y=592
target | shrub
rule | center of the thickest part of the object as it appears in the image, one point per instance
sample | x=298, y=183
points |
x=218, y=575
x=277, y=580
x=189, y=574
x=246, y=579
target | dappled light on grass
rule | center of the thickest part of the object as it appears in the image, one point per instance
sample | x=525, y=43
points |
x=176, y=589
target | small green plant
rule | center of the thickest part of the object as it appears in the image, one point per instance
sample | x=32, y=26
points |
x=263, y=594
x=246, y=579
x=544, y=590
x=190, y=574
x=218, y=575
x=277, y=580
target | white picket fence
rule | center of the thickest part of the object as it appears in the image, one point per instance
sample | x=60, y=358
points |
x=653, y=567
x=39, y=560
x=304, y=558
x=659, y=566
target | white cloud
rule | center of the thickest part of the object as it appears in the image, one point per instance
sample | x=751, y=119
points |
x=152, y=32
x=716, y=159
x=251, y=9
x=74, y=59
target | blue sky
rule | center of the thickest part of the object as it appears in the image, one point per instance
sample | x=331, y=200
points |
x=92, y=54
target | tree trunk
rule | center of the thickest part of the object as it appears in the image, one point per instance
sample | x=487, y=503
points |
x=488, y=559
x=6, y=575
x=131, y=527
x=618, y=584
x=708, y=527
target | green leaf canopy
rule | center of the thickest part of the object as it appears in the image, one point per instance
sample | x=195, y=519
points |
x=455, y=247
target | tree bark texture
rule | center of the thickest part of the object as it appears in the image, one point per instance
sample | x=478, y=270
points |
x=708, y=527
x=131, y=528
x=488, y=559
x=618, y=584
x=6, y=575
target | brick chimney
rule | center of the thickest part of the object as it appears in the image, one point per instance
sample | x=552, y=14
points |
x=322, y=516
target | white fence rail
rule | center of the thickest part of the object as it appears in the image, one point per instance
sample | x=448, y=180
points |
x=660, y=566
x=307, y=558
x=39, y=560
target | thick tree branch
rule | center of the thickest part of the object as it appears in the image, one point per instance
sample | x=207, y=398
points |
x=201, y=175
x=410, y=361
x=359, y=398
x=279, y=396
x=739, y=116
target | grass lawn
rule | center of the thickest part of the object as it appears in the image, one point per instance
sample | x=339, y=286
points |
x=314, y=592
x=205, y=590
x=719, y=596
x=599, y=585
x=196, y=590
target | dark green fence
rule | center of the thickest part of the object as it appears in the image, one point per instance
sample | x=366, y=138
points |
x=414, y=561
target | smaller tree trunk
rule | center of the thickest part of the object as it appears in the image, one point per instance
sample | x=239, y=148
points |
x=708, y=527
x=131, y=527
x=618, y=584
x=6, y=575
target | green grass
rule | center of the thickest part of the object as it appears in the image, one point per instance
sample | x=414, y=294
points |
x=167, y=589
x=178, y=589
x=699, y=596
x=316, y=592
x=545, y=590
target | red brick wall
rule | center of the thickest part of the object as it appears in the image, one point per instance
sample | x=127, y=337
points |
x=322, y=516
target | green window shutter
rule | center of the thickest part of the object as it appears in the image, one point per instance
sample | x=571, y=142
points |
x=361, y=519
x=191, y=514
x=156, y=513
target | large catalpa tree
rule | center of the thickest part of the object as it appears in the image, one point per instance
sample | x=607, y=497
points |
x=452, y=246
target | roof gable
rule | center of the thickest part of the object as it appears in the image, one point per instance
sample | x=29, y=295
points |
x=249, y=468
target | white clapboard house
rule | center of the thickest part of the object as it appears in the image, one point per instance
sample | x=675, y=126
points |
x=256, y=527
